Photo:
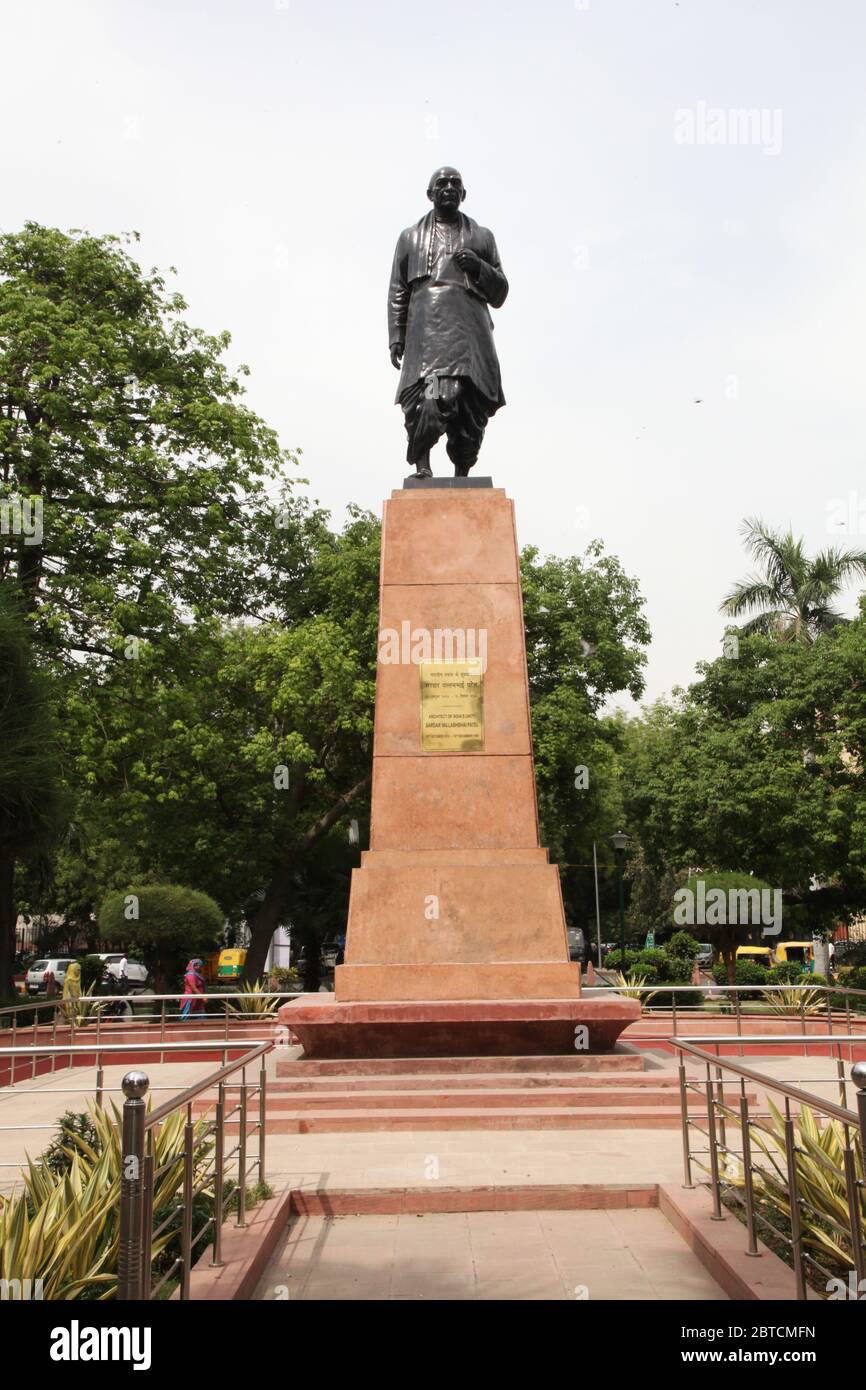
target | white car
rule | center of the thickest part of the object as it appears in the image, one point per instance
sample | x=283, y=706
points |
x=35, y=979
x=137, y=974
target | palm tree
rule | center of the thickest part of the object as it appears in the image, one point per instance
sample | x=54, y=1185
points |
x=792, y=597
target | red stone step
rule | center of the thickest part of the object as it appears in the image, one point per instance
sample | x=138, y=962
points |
x=455, y=1081
x=394, y=1066
x=482, y=1117
x=552, y=1097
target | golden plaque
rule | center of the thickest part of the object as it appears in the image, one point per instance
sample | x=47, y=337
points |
x=452, y=706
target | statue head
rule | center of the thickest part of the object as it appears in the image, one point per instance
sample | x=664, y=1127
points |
x=445, y=190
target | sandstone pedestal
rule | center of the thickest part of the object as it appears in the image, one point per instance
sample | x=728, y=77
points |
x=455, y=907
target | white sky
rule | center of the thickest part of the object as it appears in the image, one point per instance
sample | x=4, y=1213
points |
x=272, y=150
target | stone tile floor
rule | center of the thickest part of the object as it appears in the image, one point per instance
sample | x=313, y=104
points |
x=550, y=1255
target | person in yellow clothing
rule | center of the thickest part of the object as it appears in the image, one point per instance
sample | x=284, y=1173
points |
x=71, y=989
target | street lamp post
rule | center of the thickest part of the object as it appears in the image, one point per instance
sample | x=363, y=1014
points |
x=620, y=840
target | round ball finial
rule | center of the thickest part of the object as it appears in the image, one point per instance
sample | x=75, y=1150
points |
x=135, y=1085
x=858, y=1075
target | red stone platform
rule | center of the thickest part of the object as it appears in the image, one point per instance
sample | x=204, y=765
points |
x=457, y=1028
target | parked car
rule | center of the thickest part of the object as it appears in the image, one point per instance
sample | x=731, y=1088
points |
x=137, y=974
x=576, y=944
x=706, y=957
x=35, y=978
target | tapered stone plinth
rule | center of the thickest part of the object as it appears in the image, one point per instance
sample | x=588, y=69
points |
x=455, y=904
x=455, y=900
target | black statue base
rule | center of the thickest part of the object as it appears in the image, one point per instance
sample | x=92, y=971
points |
x=414, y=481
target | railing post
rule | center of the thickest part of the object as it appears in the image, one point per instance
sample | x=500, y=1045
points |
x=853, y=1193
x=135, y=1086
x=858, y=1076
x=794, y=1197
x=803, y=1022
x=263, y=1087
x=739, y=1012
x=674, y=1011
x=829, y=998
x=219, y=1155
x=242, y=1154
x=147, y=1222
x=186, y=1224
x=100, y=1080
x=747, y=1170
x=714, y=1153
x=684, y=1111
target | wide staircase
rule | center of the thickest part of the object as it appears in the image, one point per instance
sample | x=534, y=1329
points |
x=611, y=1091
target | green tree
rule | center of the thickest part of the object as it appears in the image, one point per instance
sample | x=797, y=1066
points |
x=732, y=920
x=166, y=923
x=760, y=764
x=31, y=804
x=586, y=636
x=226, y=755
x=792, y=596
x=125, y=424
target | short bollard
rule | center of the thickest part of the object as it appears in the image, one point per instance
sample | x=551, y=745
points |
x=135, y=1086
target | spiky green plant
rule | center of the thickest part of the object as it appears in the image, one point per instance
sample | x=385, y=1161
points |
x=630, y=986
x=821, y=1187
x=256, y=999
x=794, y=1001
x=64, y=1227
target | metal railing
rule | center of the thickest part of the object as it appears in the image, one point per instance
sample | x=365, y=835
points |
x=102, y=1056
x=203, y=1169
x=206, y=1166
x=841, y=1007
x=737, y=1180
x=89, y=1018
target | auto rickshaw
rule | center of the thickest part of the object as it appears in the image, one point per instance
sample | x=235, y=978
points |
x=758, y=955
x=802, y=952
x=231, y=964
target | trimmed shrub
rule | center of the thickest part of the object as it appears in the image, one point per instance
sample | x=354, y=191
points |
x=166, y=923
x=788, y=972
x=746, y=972
x=683, y=946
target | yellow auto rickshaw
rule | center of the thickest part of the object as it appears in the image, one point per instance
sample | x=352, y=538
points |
x=802, y=952
x=231, y=964
x=758, y=955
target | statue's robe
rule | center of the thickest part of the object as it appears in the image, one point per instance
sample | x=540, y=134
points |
x=441, y=313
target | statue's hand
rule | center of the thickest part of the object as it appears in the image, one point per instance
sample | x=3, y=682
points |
x=396, y=353
x=469, y=262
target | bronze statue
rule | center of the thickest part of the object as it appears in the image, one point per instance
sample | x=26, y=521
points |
x=446, y=272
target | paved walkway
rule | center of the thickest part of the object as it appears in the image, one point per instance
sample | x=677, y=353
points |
x=558, y=1255
x=475, y=1157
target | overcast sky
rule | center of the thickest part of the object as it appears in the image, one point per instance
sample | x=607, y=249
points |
x=660, y=251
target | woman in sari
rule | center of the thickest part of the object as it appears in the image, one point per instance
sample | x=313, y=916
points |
x=192, y=1004
x=71, y=989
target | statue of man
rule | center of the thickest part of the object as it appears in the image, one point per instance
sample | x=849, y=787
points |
x=446, y=272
